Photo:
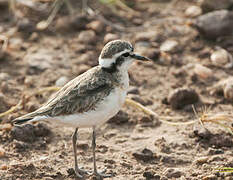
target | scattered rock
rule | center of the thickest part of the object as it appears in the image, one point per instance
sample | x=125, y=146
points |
x=152, y=54
x=151, y=175
x=221, y=58
x=87, y=37
x=146, y=119
x=31, y=106
x=201, y=160
x=25, y=25
x=81, y=68
x=211, y=5
x=169, y=46
x=2, y=152
x=202, y=133
x=23, y=133
x=173, y=173
x=42, y=130
x=96, y=26
x=203, y=72
x=193, y=11
x=210, y=177
x=228, y=90
x=147, y=36
x=121, y=118
x=133, y=90
x=173, y=160
x=83, y=146
x=29, y=132
x=144, y=102
x=212, y=151
x=3, y=103
x=61, y=81
x=224, y=87
x=77, y=23
x=5, y=127
x=181, y=97
x=145, y=155
x=40, y=60
x=3, y=167
x=20, y=146
x=110, y=37
x=15, y=43
x=87, y=58
x=34, y=36
x=214, y=140
x=4, y=76
x=216, y=24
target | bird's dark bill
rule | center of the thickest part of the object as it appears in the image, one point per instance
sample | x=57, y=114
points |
x=139, y=57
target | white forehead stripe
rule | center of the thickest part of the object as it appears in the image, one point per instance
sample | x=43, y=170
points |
x=107, y=62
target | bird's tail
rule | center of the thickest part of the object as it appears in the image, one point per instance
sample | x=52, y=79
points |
x=25, y=118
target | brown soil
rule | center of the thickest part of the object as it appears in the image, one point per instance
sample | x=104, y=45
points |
x=132, y=145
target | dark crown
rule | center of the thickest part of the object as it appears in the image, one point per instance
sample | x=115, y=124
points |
x=114, y=47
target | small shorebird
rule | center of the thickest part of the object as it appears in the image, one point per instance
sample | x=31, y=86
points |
x=91, y=98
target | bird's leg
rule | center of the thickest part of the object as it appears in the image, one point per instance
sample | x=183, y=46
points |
x=101, y=175
x=77, y=170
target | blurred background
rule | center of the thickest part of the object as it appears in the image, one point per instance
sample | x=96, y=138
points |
x=46, y=43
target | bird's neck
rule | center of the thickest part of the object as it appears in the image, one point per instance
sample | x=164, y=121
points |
x=121, y=76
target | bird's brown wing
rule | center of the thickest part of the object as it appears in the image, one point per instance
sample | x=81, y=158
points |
x=79, y=95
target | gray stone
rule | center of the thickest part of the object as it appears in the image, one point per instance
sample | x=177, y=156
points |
x=215, y=24
x=211, y=5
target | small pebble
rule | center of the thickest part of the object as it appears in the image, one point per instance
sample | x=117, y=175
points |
x=228, y=90
x=40, y=60
x=3, y=167
x=201, y=160
x=133, y=90
x=121, y=118
x=145, y=155
x=61, y=81
x=203, y=72
x=146, y=36
x=5, y=127
x=173, y=173
x=110, y=37
x=4, y=76
x=2, y=152
x=96, y=26
x=87, y=37
x=169, y=46
x=210, y=177
x=193, y=11
x=34, y=36
x=220, y=57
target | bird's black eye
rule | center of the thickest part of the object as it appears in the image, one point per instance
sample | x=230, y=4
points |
x=125, y=54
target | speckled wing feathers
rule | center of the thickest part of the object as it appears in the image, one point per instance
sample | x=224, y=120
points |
x=79, y=95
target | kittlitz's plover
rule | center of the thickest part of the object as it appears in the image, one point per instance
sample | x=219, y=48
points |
x=91, y=98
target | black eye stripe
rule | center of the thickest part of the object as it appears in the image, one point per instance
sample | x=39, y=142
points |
x=125, y=54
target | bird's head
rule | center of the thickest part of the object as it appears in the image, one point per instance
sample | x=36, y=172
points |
x=118, y=55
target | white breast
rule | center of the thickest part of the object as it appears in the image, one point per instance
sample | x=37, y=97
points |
x=105, y=110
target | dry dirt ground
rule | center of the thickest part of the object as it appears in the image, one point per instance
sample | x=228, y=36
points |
x=132, y=145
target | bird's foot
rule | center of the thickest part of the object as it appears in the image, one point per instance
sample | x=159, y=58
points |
x=80, y=172
x=101, y=175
